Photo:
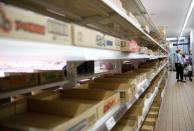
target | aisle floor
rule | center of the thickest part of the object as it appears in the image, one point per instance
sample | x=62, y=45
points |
x=177, y=110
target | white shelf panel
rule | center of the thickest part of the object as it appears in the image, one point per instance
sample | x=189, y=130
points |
x=30, y=89
x=16, y=50
x=118, y=111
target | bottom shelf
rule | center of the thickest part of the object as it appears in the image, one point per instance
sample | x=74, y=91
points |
x=109, y=120
x=134, y=118
x=150, y=104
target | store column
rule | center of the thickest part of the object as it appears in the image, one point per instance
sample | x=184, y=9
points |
x=192, y=45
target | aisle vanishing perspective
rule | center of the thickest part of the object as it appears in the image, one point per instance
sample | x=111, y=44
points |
x=178, y=106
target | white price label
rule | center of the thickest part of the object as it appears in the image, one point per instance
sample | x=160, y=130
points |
x=110, y=123
x=136, y=96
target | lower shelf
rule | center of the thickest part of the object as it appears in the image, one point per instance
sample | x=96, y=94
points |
x=108, y=121
x=30, y=89
x=150, y=104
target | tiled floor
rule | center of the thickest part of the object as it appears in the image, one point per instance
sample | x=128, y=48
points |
x=177, y=110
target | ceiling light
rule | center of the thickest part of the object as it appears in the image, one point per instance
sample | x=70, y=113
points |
x=187, y=18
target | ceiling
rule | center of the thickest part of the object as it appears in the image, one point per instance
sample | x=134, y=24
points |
x=171, y=14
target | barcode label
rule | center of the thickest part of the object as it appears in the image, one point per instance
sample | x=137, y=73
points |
x=110, y=123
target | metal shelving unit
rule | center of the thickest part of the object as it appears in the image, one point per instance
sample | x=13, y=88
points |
x=162, y=95
x=30, y=89
x=108, y=121
x=99, y=15
x=150, y=104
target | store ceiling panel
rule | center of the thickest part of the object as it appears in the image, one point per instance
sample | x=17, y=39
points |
x=169, y=13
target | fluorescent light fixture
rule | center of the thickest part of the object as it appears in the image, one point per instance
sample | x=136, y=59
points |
x=55, y=12
x=171, y=38
x=187, y=18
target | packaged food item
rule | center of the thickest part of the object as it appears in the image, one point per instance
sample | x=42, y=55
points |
x=112, y=43
x=83, y=36
x=130, y=46
x=18, y=23
x=48, y=76
x=18, y=80
x=126, y=91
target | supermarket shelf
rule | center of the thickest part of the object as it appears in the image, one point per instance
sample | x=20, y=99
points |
x=129, y=21
x=24, y=50
x=162, y=96
x=138, y=9
x=88, y=76
x=163, y=56
x=152, y=57
x=150, y=104
x=108, y=121
x=30, y=89
x=98, y=14
x=138, y=56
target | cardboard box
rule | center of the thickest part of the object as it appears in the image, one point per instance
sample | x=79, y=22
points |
x=126, y=91
x=121, y=75
x=124, y=45
x=52, y=114
x=24, y=24
x=101, y=99
x=140, y=76
x=7, y=110
x=130, y=46
x=136, y=110
x=123, y=128
x=145, y=72
x=48, y=76
x=134, y=76
x=86, y=37
x=106, y=99
x=18, y=81
x=143, y=50
x=129, y=123
x=117, y=42
x=112, y=43
x=130, y=116
x=130, y=75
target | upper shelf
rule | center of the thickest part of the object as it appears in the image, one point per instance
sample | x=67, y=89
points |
x=18, y=50
x=102, y=15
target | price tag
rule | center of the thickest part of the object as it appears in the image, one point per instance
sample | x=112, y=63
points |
x=136, y=96
x=110, y=123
